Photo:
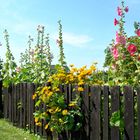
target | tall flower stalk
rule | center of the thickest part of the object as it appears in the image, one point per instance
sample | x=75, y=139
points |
x=40, y=64
x=49, y=54
x=60, y=44
x=9, y=67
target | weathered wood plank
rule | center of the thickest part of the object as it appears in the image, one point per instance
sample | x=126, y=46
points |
x=105, y=113
x=128, y=113
x=86, y=109
x=95, y=128
x=115, y=106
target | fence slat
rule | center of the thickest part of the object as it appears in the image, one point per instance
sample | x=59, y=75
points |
x=14, y=104
x=95, y=129
x=128, y=113
x=10, y=102
x=24, y=93
x=20, y=105
x=115, y=106
x=105, y=113
x=85, y=109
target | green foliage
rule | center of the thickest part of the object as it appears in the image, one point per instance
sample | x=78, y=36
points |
x=9, y=67
x=117, y=120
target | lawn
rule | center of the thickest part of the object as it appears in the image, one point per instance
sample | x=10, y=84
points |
x=9, y=132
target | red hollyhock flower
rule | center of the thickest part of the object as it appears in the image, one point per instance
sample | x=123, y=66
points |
x=138, y=32
x=119, y=10
x=132, y=49
x=116, y=22
x=126, y=9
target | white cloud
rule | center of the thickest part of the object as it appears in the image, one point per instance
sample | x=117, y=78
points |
x=76, y=40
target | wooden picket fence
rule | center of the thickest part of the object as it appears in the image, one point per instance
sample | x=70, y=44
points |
x=98, y=103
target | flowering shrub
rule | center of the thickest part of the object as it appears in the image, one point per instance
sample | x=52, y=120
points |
x=58, y=114
x=123, y=54
x=35, y=63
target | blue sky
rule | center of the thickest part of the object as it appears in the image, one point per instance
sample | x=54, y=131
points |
x=87, y=26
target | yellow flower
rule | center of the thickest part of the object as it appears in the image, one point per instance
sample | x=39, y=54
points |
x=46, y=126
x=92, y=67
x=72, y=104
x=51, y=129
x=80, y=89
x=65, y=112
x=38, y=123
x=80, y=83
x=51, y=110
x=36, y=120
x=50, y=94
x=55, y=89
x=57, y=109
x=34, y=96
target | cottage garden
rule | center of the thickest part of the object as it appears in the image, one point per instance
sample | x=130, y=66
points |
x=58, y=115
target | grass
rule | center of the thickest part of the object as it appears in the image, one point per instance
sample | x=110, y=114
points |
x=9, y=132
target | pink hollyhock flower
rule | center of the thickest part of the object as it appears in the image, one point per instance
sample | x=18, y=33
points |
x=132, y=49
x=120, y=39
x=138, y=32
x=115, y=53
x=126, y=9
x=116, y=22
x=119, y=10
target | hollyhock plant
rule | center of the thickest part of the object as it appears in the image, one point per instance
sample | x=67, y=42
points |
x=125, y=53
x=132, y=49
